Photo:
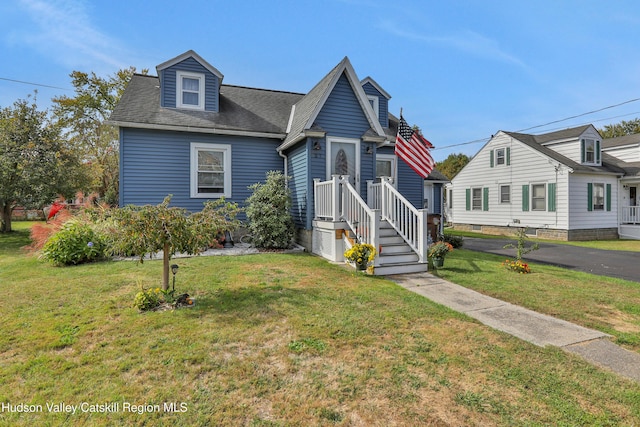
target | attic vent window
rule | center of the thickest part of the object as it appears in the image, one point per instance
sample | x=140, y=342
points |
x=190, y=90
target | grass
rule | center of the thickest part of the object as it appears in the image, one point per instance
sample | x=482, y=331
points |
x=277, y=340
x=612, y=245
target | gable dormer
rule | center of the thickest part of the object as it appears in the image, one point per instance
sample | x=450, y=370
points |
x=378, y=98
x=189, y=82
x=582, y=144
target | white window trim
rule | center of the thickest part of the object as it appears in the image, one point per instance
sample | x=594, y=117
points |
x=593, y=197
x=544, y=186
x=226, y=150
x=179, y=90
x=500, y=194
x=473, y=208
x=504, y=156
x=376, y=104
x=394, y=170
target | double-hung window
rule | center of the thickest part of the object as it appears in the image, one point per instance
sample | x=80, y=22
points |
x=538, y=197
x=476, y=199
x=505, y=194
x=598, y=197
x=210, y=170
x=189, y=90
x=500, y=156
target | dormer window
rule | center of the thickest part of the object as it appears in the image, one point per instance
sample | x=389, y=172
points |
x=375, y=104
x=590, y=151
x=189, y=90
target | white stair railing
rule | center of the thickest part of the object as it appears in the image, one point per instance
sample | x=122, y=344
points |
x=630, y=214
x=409, y=222
x=327, y=198
x=361, y=219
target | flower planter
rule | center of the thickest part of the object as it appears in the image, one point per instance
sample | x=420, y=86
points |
x=438, y=261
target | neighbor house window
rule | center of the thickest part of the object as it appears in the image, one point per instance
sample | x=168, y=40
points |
x=476, y=199
x=210, y=170
x=505, y=194
x=598, y=197
x=590, y=151
x=189, y=90
x=500, y=158
x=538, y=197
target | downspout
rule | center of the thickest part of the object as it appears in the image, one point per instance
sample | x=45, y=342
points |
x=286, y=167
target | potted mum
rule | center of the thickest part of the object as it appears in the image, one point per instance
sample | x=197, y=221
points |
x=361, y=254
x=438, y=251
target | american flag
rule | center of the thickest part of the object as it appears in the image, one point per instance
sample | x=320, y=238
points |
x=413, y=148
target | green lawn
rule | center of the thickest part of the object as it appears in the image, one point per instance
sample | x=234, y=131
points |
x=613, y=245
x=286, y=340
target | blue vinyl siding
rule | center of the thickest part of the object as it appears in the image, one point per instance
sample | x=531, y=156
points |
x=301, y=197
x=169, y=85
x=341, y=114
x=437, y=199
x=157, y=163
x=383, y=104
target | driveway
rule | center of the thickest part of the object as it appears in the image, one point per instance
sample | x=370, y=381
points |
x=620, y=264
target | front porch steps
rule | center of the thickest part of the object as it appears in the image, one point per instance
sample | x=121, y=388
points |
x=395, y=256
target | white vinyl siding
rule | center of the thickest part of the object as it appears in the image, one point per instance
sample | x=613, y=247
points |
x=580, y=202
x=527, y=166
x=210, y=170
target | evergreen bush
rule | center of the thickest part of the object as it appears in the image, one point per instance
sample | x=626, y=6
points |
x=269, y=212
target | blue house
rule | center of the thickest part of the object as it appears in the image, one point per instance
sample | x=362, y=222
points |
x=187, y=134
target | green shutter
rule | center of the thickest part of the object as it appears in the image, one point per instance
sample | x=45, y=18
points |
x=468, y=196
x=485, y=199
x=508, y=156
x=597, y=151
x=589, y=197
x=608, y=197
x=551, y=190
x=491, y=158
x=525, y=197
x=582, y=151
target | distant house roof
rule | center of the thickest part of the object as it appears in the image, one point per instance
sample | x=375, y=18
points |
x=243, y=110
x=609, y=166
x=621, y=141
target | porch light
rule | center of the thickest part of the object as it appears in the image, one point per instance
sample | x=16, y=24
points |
x=316, y=145
x=369, y=150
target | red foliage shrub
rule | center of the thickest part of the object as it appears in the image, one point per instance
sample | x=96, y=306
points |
x=40, y=232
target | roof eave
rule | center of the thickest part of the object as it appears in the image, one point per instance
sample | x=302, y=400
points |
x=217, y=131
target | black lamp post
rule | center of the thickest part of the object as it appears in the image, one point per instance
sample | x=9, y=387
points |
x=174, y=270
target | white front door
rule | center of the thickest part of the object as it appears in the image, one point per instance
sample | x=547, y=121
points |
x=343, y=158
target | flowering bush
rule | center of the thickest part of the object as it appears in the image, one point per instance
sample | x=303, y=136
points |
x=74, y=243
x=440, y=249
x=517, y=266
x=360, y=253
x=148, y=299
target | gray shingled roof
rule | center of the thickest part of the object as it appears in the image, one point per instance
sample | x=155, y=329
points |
x=242, y=109
x=621, y=141
x=536, y=141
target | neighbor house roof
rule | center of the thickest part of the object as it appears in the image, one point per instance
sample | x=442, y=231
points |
x=621, y=141
x=609, y=166
x=243, y=110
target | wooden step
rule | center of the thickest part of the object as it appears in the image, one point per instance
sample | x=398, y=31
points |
x=400, y=268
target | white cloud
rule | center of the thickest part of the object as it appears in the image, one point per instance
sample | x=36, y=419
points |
x=62, y=30
x=465, y=41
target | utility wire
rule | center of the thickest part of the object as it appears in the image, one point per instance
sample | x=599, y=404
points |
x=34, y=84
x=475, y=141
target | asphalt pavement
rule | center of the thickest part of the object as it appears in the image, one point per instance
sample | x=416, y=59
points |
x=620, y=264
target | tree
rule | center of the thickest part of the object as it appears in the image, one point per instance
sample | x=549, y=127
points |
x=621, y=129
x=36, y=166
x=269, y=212
x=140, y=230
x=453, y=164
x=83, y=118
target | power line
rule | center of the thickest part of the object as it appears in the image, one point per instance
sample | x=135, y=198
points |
x=475, y=141
x=34, y=84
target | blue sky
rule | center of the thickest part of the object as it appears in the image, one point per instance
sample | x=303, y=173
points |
x=461, y=70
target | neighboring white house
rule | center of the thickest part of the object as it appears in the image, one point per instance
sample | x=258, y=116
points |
x=564, y=185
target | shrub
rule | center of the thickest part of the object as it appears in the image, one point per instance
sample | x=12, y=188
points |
x=74, y=243
x=455, y=241
x=268, y=212
x=41, y=232
x=148, y=299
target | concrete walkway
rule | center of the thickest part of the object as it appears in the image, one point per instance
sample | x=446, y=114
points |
x=536, y=328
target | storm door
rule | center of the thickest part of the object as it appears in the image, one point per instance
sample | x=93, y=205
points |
x=343, y=158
